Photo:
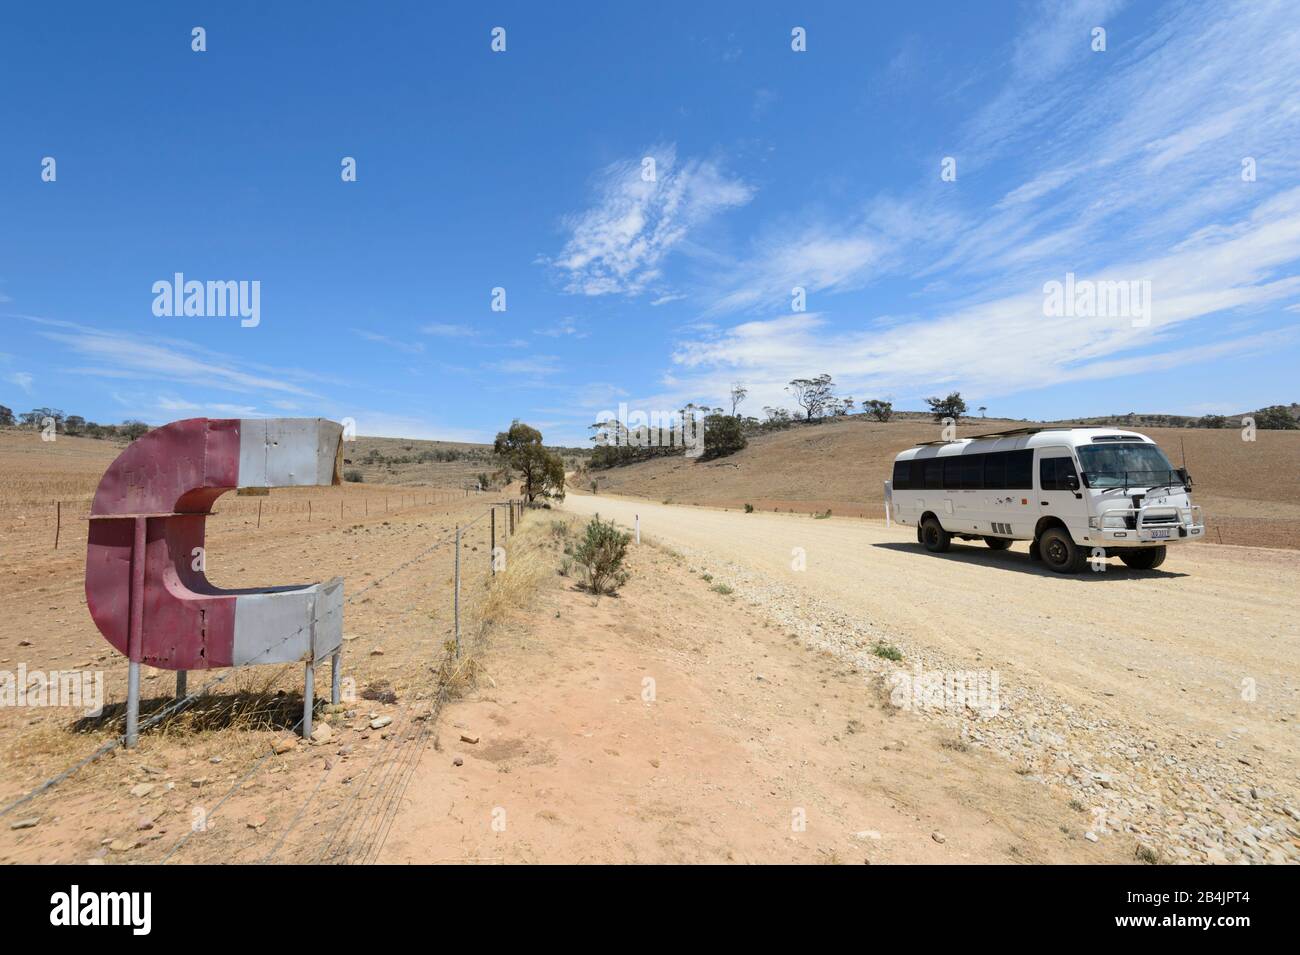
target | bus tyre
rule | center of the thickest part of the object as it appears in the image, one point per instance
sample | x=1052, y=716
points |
x=998, y=543
x=934, y=537
x=1145, y=558
x=1059, y=551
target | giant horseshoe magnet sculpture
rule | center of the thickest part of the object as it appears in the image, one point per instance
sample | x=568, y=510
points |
x=145, y=582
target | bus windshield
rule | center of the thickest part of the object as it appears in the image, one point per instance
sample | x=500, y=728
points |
x=1126, y=465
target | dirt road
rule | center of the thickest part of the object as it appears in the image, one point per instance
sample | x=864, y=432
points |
x=1170, y=695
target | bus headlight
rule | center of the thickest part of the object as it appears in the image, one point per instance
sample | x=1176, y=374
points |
x=1113, y=520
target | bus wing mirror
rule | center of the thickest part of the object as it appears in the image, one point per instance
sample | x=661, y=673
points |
x=1185, y=477
x=1072, y=482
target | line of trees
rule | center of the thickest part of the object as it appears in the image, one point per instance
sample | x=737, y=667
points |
x=72, y=425
x=717, y=433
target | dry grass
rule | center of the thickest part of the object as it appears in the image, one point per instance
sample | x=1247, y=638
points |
x=529, y=561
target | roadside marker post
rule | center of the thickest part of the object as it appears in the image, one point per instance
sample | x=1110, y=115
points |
x=638, y=530
x=457, y=597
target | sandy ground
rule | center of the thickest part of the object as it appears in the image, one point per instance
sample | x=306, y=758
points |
x=1181, y=683
x=208, y=786
x=675, y=724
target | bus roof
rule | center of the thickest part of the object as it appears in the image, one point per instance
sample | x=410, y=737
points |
x=1017, y=438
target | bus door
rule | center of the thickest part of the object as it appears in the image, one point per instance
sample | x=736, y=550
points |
x=1060, y=490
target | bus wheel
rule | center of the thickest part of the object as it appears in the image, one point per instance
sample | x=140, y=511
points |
x=1059, y=552
x=1146, y=558
x=998, y=543
x=936, y=539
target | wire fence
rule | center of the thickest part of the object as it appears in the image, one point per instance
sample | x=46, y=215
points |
x=179, y=704
x=65, y=520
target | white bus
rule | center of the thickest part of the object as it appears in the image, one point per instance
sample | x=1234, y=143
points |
x=1076, y=494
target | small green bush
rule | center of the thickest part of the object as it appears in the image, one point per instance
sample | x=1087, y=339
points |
x=749, y=508
x=353, y=476
x=887, y=651
x=601, y=553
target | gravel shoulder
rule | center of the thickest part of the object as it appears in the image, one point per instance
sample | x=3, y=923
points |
x=1166, y=701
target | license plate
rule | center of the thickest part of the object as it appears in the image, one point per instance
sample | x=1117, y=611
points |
x=1160, y=534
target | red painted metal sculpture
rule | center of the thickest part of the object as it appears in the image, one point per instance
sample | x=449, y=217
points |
x=145, y=582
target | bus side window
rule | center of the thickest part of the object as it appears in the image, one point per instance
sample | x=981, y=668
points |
x=952, y=474
x=1020, y=470
x=902, y=472
x=1047, y=474
x=934, y=475
x=1053, y=474
x=995, y=470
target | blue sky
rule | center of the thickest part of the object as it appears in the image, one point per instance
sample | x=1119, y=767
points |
x=523, y=170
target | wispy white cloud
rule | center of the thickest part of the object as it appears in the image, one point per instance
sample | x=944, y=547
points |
x=123, y=356
x=620, y=244
x=409, y=348
x=535, y=366
x=22, y=379
x=564, y=328
x=668, y=297
x=448, y=330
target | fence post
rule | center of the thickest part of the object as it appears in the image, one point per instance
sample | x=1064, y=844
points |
x=308, y=695
x=259, y=515
x=492, y=551
x=135, y=637
x=512, y=516
x=336, y=675
x=457, y=597
x=638, y=529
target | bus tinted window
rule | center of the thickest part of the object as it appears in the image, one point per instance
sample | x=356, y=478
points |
x=1020, y=470
x=1054, y=472
x=934, y=474
x=902, y=475
x=995, y=470
x=1047, y=474
x=972, y=472
x=951, y=473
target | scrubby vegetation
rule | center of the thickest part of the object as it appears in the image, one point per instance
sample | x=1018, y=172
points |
x=601, y=553
x=72, y=425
